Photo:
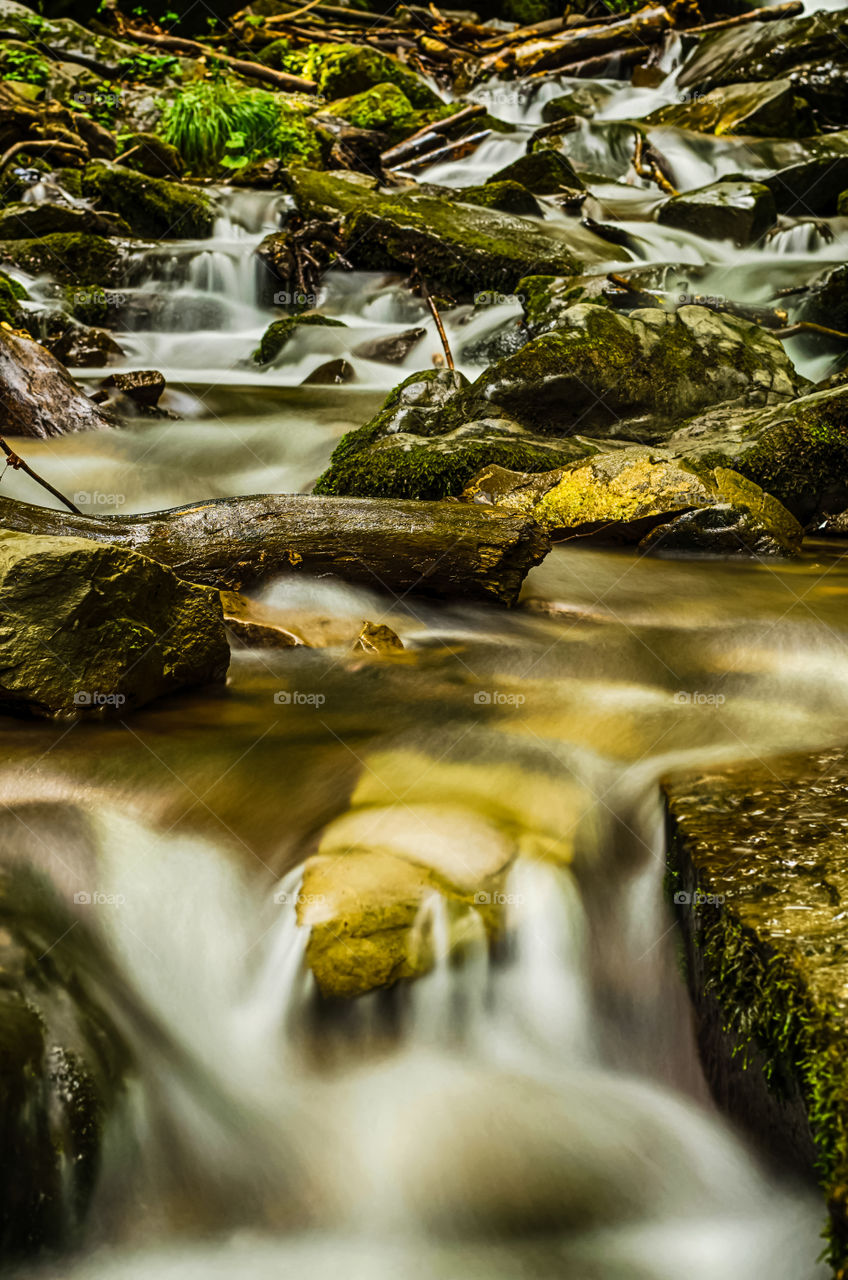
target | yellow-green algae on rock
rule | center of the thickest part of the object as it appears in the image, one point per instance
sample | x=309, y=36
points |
x=419, y=830
x=758, y=869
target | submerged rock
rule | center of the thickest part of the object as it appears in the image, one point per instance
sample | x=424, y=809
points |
x=393, y=349
x=144, y=386
x=757, y=862
x=639, y=495
x=459, y=247
x=770, y=110
x=739, y=211
x=376, y=637
x=253, y=625
x=152, y=207
x=39, y=396
x=279, y=332
x=90, y=628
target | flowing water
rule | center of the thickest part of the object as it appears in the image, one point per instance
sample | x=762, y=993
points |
x=537, y=1111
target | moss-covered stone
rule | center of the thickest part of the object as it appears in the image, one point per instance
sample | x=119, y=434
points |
x=150, y=154
x=11, y=295
x=68, y=258
x=279, y=332
x=508, y=196
x=341, y=70
x=153, y=207
x=458, y=247
x=797, y=451
x=544, y=172
x=771, y=110
x=600, y=367
x=758, y=867
x=739, y=211
x=384, y=107
x=19, y=221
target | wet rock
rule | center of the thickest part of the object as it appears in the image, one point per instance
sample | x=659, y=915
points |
x=23, y=221
x=279, y=333
x=76, y=345
x=811, y=183
x=342, y=70
x=797, y=451
x=330, y=374
x=544, y=172
x=89, y=628
x=39, y=396
x=152, y=207
x=508, y=196
x=149, y=154
x=253, y=626
x=757, y=863
x=582, y=100
x=825, y=301
x=771, y=110
x=457, y=247
x=348, y=147
x=624, y=495
x=12, y=294
x=70, y=258
x=810, y=52
x=376, y=637
x=600, y=367
x=393, y=349
x=143, y=386
x=739, y=211
x=413, y=448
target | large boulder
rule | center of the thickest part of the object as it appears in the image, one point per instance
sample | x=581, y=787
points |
x=770, y=110
x=600, y=367
x=639, y=495
x=545, y=172
x=39, y=396
x=460, y=247
x=341, y=70
x=810, y=52
x=152, y=207
x=419, y=445
x=384, y=107
x=70, y=257
x=739, y=211
x=19, y=221
x=797, y=451
x=91, y=628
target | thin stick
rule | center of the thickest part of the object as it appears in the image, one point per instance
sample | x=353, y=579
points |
x=807, y=326
x=41, y=144
x=434, y=312
x=18, y=464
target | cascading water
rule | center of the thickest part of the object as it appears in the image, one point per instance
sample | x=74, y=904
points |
x=529, y=1108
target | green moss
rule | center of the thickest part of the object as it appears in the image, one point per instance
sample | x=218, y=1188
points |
x=384, y=107
x=544, y=172
x=279, y=332
x=153, y=207
x=11, y=293
x=509, y=197
x=69, y=258
x=528, y=12
x=341, y=70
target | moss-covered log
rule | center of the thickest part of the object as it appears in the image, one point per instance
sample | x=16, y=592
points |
x=433, y=548
x=759, y=875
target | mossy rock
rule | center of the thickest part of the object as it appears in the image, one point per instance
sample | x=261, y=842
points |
x=22, y=221
x=771, y=110
x=68, y=258
x=797, y=451
x=640, y=495
x=599, y=368
x=757, y=868
x=415, y=447
x=279, y=332
x=384, y=107
x=342, y=70
x=458, y=247
x=148, y=153
x=507, y=196
x=544, y=172
x=153, y=207
x=739, y=211
x=11, y=295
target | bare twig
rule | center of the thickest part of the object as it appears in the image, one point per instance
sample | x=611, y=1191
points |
x=17, y=464
x=807, y=326
x=647, y=167
x=255, y=70
x=434, y=311
x=41, y=144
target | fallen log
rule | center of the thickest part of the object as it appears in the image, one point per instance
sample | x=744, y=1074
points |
x=772, y=14
x=432, y=548
x=576, y=44
x=418, y=141
x=457, y=150
x=256, y=70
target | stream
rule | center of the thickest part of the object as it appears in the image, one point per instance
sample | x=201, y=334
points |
x=537, y=1110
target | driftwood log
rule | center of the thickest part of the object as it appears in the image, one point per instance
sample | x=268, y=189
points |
x=431, y=548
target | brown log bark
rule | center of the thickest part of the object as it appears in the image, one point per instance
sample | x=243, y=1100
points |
x=256, y=70
x=453, y=151
x=446, y=549
x=420, y=140
x=577, y=44
x=771, y=14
